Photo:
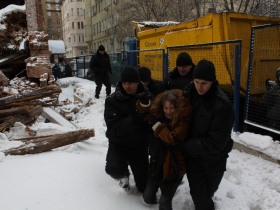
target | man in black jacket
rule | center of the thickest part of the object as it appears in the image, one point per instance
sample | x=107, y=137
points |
x=101, y=68
x=127, y=132
x=182, y=74
x=154, y=86
x=210, y=141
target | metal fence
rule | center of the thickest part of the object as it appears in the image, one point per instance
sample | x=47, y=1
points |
x=227, y=58
x=263, y=89
x=153, y=59
x=80, y=66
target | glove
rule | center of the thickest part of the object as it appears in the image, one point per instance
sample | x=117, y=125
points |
x=143, y=98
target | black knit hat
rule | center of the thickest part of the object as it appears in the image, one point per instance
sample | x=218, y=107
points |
x=144, y=74
x=184, y=59
x=101, y=48
x=129, y=74
x=205, y=70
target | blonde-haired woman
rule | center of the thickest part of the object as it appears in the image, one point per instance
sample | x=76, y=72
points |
x=167, y=166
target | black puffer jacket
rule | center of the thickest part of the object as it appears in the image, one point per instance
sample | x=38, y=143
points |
x=100, y=64
x=176, y=81
x=212, y=122
x=124, y=126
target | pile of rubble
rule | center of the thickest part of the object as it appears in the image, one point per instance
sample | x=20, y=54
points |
x=24, y=101
x=13, y=30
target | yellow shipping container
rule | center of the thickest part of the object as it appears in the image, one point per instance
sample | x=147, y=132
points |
x=207, y=29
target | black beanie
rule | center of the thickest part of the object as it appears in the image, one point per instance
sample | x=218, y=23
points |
x=144, y=74
x=205, y=70
x=129, y=74
x=101, y=48
x=184, y=59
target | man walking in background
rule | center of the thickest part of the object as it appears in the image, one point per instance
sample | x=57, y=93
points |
x=101, y=68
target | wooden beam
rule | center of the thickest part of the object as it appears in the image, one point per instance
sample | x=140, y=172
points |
x=46, y=143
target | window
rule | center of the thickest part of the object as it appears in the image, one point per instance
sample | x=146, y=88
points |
x=78, y=11
x=69, y=39
x=82, y=25
x=78, y=23
x=73, y=26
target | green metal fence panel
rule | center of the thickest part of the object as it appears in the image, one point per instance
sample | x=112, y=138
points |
x=263, y=92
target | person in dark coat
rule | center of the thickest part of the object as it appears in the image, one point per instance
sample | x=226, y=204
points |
x=272, y=102
x=67, y=70
x=101, y=68
x=182, y=75
x=56, y=71
x=209, y=142
x=127, y=132
x=167, y=166
x=154, y=86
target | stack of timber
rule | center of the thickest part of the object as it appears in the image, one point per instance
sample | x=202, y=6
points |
x=23, y=101
x=25, y=107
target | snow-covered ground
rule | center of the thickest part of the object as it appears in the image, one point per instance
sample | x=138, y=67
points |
x=73, y=177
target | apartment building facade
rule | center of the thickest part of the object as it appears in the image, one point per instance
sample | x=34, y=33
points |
x=74, y=28
x=51, y=12
x=101, y=20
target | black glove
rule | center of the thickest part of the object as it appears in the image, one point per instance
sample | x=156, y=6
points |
x=144, y=98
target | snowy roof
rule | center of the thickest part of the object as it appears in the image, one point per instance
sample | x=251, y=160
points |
x=56, y=46
x=156, y=24
x=8, y=10
x=11, y=8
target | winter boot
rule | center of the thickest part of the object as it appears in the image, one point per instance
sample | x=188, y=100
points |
x=124, y=183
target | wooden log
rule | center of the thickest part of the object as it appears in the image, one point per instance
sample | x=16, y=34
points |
x=16, y=110
x=6, y=124
x=47, y=143
x=36, y=94
x=24, y=119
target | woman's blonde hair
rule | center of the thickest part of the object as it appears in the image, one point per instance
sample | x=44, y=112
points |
x=174, y=98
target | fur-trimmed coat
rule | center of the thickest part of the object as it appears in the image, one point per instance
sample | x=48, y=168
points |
x=173, y=165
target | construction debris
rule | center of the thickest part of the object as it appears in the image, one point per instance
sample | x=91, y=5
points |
x=13, y=40
x=27, y=87
x=45, y=143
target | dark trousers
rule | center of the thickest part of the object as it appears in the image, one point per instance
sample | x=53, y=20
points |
x=204, y=178
x=117, y=161
x=99, y=80
x=168, y=190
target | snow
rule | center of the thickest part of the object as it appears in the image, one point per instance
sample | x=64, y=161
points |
x=56, y=46
x=8, y=10
x=73, y=177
